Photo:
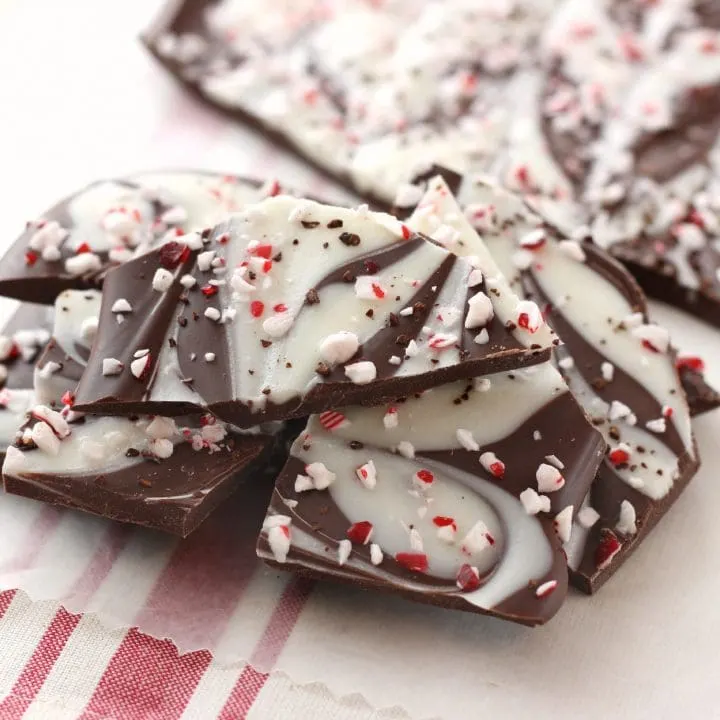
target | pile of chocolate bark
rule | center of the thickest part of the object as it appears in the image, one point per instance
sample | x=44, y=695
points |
x=456, y=388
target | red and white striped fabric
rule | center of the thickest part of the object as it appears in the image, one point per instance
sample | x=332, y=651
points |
x=63, y=666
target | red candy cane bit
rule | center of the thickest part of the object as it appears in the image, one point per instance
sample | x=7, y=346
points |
x=378, y=291
x=263, y=251
x=406, y=233
x=649, y=346
x=497, y=469
x=416, y=562
x=257, y=307
x=209, y=290
x=331, y=419
x=280, y=308
x=360, y=532
x=267, y=266
x=444, y=521
x=84, y=248
x=207, y=420
x=173, y=253
x=618, y=456
x=468, y=578
x=547, y=588
x=425, y=476
x=31, y=257
x=68, y=398
x=607, y=549
x=690, y=362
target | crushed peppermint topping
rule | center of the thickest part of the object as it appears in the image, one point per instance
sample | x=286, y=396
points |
x=549, y=478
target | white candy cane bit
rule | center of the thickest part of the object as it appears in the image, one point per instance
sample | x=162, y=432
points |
x=278, y=537
x=546, y=588
x=480, y=311
x=608, y=371
x=618, y=410
x=493, y=465
x=161, y=427
x=367, y=475
x=563, y=523
x=390, y=418
x=406, y=312
x=339, y=347
x=482, y=384
x=475, y=277
x=121, y=305
x=447, y=533
x=278, y=325
x=44, y=437
x=141, y=353
x=572, y=249
x=212, y=313
x=162, y=280
x=343, y=551
x=466, y=439
x=441, y=341
x=112, y=366
x=161, y=448
x=209, y=357
x=534, y=503
x=549, y=478
x=52, y=254
x=46, y=371
x=483, y=337
x=406, y=449
x=627, y=522
x=83, y=264
x=188, y=281
x=477, y=539
x=658, y=425
x=303, y=483
x=15, y=461
x=537, y=435
x=566, y=363
x=205, y=259
x=395, y=360
x=376, y=554
x=555, y=460
x=361, y=373
x=412, y=349
x=587, y=517
x=322, y=477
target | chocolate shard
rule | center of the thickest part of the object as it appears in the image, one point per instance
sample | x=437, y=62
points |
x=147, y=471
x=619, y=365
x=332, y=106
x=21, y=342
x=613, y=107
x=73, y=244
x=227, y=328
x=467, y=514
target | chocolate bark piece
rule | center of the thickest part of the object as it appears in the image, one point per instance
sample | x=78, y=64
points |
x=146, y=471
x=701, y=396
x=619, y=365
x=468, y=513
x=107, y=223
x=295, y=307
x=105, y=467
x=21, y=342
x=363, y=92
x=611, y=106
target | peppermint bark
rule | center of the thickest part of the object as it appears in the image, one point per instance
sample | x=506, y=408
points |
x=612, y=108
x=149, y=471
x=296, y=307
x=107, y=223
x=469, y=513
x=619, y=366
